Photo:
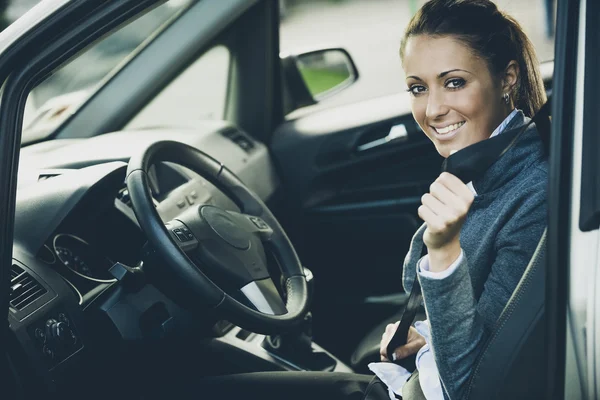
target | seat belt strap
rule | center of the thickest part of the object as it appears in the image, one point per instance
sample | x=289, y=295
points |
x=408, y=316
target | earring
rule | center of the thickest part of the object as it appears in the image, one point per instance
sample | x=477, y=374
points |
x=506, y=98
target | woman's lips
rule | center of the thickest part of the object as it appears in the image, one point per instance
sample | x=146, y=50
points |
x=449, y=135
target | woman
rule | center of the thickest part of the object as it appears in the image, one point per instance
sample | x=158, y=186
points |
x=471, y=73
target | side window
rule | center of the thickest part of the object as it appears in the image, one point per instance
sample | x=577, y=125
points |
x=198, y=93
x=63, y=92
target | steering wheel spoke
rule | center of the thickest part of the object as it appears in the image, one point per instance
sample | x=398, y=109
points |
x=263, y=295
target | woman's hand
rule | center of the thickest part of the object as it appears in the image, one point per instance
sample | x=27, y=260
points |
x=413, y=344
x=444, y=209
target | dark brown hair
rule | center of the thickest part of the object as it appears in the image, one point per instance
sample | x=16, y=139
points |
x=493, y=35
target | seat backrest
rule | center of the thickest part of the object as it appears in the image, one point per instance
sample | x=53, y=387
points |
x=512, y=363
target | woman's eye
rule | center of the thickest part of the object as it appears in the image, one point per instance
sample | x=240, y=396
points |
x=416, y=89
x=455, y=83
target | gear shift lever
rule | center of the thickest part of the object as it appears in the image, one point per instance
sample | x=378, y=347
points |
x=296, y=345
x=300, y=339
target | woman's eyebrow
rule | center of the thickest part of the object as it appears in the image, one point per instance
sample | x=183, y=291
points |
x=441, y=74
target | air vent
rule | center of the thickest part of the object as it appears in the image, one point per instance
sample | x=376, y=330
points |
x=43, y=177
x=48, y=173
x=239, y=138
x=24, y=289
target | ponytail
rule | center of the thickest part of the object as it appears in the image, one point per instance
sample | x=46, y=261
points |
x=529, y=93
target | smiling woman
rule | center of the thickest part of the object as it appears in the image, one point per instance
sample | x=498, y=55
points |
x=472, y=74
x=451, y=101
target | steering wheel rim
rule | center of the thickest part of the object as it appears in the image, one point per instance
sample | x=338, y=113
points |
x=186, y=272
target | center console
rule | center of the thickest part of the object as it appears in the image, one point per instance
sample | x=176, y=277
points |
x=256, y=351
x=290, y=351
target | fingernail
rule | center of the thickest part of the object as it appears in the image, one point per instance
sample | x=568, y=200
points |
x=394, y=357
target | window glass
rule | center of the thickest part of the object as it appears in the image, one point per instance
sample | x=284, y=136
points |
x=198, y=93
x=52, y=101
x=371, y=32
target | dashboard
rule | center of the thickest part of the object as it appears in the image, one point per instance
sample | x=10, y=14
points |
x=74, y=221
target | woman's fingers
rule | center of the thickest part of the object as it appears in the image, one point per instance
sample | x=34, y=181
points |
x=456, y=186
x=440, y=209
x=444, y=210
x=446, y=196
x=409, y=349
x=387, y=335
x=414, y=343
x=431, y=218
x=450, y=191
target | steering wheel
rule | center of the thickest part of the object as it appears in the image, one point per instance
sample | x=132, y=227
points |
x=229, y=245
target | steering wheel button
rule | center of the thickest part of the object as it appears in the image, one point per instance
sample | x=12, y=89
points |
x=260, y=224
x=180, y=236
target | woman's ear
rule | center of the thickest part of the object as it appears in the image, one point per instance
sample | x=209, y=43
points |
x=510, y=77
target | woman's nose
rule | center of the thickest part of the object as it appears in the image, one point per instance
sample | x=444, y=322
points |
x=436, y=106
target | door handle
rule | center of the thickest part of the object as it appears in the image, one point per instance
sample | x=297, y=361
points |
x=397, y=133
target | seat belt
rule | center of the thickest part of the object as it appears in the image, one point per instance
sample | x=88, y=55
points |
x=467, y=164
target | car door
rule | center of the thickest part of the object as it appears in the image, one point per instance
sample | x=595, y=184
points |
x=352, y=197
x=44, y=38
x=14, y=43
x=354, y=169
x=574, y=280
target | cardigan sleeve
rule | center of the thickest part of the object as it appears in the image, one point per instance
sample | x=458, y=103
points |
x=457, y=318
x=424, y=270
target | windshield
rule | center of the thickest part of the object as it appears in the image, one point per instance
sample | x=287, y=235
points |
x=59, y=96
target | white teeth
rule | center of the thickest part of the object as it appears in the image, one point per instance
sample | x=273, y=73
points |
x=449, y=128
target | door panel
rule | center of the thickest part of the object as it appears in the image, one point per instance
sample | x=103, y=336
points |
x=352, y=209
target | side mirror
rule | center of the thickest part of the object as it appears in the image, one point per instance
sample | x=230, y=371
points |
x=314, y=76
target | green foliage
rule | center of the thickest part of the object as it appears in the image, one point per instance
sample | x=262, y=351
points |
x=319, y=80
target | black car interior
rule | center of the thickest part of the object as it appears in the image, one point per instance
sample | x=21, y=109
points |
x=147, y=258
x=90, y=285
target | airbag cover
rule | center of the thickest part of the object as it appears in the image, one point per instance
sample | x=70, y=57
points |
x=225, y=227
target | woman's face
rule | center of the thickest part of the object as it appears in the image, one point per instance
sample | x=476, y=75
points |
x=455, y=98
